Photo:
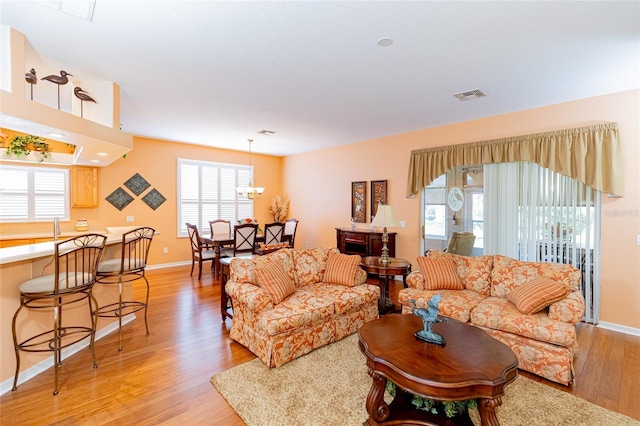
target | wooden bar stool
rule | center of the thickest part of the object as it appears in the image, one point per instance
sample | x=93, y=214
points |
x=76, y=261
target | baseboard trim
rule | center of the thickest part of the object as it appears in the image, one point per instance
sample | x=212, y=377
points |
x=47, y=363
x=167, y=265
x=621, y=328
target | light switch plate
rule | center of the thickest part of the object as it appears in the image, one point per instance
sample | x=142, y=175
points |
x=638, y=240
x=129, y=218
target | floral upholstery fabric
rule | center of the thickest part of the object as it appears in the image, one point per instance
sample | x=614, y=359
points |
x=475, y=272
x=509, y=273
x=544, y=342
x=544, y=359
x=300, y=309
x=310, y=264
x=454, y=303
x=315, y=315
x=570, y=309
x=500, y=314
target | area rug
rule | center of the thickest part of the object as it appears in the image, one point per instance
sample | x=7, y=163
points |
x=329, y=386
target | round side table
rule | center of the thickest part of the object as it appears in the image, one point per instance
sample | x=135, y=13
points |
x=371, y=265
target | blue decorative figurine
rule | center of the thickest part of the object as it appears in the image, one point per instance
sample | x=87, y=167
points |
x=428, y=316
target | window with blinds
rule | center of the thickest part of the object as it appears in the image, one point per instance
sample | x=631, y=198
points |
x=33, y=194
x=207, y=191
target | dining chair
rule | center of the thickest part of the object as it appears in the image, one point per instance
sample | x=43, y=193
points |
x=75, y=264
x=289, y=234
x=273, y=233
x=129, y=267
x=200, y=250
x=244, y=240
x=220, y=227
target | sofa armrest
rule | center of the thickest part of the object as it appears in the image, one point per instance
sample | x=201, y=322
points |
x=415, y=280
x=361, y=277
x=252, y=297
x=570, y=309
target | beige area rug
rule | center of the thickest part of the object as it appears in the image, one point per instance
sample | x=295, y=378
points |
x=329, y=386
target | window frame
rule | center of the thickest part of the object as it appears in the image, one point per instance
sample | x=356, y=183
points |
x=242, y=175
x=32, y=195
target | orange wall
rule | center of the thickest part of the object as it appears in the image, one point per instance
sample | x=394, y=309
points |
x=156, y=161
x=318, y=184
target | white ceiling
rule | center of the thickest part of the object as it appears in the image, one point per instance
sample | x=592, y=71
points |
x=216, y=73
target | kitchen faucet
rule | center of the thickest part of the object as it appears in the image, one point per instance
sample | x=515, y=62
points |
x=56, y=228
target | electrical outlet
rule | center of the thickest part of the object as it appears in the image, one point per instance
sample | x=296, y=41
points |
x=165, y=250
x=129, y=218
x=306, y=244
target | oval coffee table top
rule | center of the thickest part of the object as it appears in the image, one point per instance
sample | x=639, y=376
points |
x=470, y=364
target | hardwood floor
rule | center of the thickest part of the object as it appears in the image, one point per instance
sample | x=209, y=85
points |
x=163, y=378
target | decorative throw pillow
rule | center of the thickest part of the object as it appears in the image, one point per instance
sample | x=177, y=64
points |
x=439, y=273
x=341, y=269
x=274, y=279
x=536, y=294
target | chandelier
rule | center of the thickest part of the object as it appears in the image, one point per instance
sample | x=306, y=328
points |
x=249, y=192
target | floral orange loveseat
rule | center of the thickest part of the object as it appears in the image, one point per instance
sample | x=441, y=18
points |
x=292, y=301
x=531, y=307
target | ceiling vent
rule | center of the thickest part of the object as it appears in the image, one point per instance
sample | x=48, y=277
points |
x=266, y=132
x=471, y=94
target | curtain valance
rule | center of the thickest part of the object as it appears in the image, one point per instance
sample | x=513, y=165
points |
x=588, y=154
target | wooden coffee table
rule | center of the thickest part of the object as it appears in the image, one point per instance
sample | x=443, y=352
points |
x=470, y=365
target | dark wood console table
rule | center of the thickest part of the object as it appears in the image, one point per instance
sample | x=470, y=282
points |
x=363, y=242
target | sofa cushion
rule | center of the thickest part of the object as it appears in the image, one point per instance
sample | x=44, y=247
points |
x=509, y=273
x=474, y=272
x=499, y=314
x=341, y=269
x=272, y=277
x=301, y=309
x=242, y=270
x=439, y=273
x=454, y=303
x=310, y=264
x=345, y=299
x=537, y=294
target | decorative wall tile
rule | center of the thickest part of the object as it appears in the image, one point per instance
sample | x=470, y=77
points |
x=154, y=199
x=137, y=184
x=119, y=198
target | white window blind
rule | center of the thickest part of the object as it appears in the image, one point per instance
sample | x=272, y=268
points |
x=207, y=191
x=33, y=194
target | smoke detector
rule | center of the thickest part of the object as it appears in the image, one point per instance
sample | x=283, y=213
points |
x=266, y=132
x=469, y=95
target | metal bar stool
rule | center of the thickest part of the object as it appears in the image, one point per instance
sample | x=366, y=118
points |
x=76, y=261
x=129, y=267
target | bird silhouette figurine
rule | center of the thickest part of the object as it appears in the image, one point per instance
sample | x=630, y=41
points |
x=428, y=316
x=31, y=78
x=83, y=96
x=59, y=80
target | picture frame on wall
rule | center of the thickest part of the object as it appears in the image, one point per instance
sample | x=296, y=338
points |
x=359, y=201
x=378, y=195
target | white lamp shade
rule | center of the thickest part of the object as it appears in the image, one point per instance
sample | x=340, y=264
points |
x=385, y=217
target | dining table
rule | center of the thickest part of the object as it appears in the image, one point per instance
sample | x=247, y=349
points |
x=219, y=241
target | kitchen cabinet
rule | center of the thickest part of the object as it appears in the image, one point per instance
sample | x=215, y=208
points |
x=84, y=186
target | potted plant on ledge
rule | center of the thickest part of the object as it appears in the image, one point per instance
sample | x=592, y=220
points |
x=21, y=146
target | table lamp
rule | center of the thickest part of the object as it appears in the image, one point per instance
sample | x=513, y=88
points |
x=386, y=218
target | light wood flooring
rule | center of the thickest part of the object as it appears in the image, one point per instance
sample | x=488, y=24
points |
x=163, y=378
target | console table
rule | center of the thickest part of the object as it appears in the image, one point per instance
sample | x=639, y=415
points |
x=363, y=242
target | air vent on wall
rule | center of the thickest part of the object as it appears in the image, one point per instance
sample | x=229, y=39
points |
x=471, y=94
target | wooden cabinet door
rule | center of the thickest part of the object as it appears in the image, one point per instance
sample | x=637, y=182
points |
x=84, y=186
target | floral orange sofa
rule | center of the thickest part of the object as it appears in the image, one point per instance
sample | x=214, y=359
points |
x=531, y=307
x=292, y=301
